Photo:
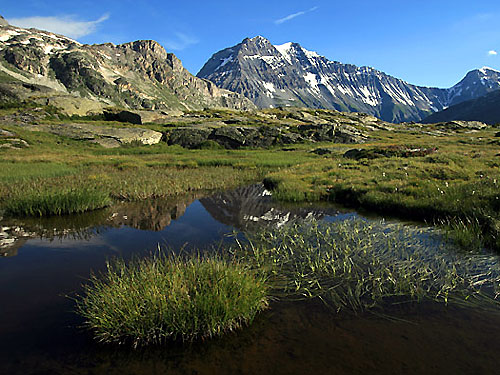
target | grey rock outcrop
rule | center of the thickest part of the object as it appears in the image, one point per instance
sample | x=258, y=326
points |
x=104, y=135
x=3, y=22
x=233, y=137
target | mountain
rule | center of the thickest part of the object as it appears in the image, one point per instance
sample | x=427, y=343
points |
x=141, y=74
x=485, y=109
x=290, y=75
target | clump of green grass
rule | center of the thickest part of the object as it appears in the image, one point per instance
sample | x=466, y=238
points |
x=357, y=266
x=47, y=203
x=171, y=297
x=467, y=233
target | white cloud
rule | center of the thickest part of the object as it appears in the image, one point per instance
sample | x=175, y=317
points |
x=292, y=16
x=180, y=42
x=64, y=25
x=492, y=53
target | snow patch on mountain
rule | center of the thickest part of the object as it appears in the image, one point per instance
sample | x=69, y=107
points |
x=312, y=80
x=284, y=49
x=225, y=61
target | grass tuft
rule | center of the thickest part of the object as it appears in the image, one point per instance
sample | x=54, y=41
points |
x=57, y=202
x=171, y=297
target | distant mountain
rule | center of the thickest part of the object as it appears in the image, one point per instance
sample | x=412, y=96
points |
x=3, y=22
x=139, y=74
x=290, y=75
x=485, y=109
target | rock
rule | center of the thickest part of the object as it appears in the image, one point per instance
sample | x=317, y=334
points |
x=461, y=125
x=229, y=137
x=400, y=151
x=290, y=138
x=349, y=134
x=136, y=75
x=3, y=22
x=140, y=117
x=6, y=133
x=355, y=153
x=9, y=140
x=123, y=116
x=333, y=133
x=188, y=137
x=70, y=105
x=105, y=135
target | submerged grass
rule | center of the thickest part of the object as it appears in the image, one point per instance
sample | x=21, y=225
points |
x=352, y=266
x=357, y=266
x=171, y=297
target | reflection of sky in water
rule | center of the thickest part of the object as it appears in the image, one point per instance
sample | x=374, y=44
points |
x=37, y=317
x=44, y=270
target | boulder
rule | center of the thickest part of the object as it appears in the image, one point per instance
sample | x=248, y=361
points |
x=229, y=136
x=123, y=116
x=188, y=137
x=107, y=136
x=71, y=105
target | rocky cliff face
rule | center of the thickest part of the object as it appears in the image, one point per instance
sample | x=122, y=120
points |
x=289, y=75
x=140, y=74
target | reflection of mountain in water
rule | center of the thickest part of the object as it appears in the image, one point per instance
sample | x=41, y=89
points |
x=252, y=206
x=154, y=215
x=246, y=208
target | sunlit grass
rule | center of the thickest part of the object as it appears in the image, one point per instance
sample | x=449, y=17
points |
x=57, y=202
x=161, y=298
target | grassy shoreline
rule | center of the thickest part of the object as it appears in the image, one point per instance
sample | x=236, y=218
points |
x=454, y=185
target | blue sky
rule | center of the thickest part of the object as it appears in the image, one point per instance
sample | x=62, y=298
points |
x=430, y=43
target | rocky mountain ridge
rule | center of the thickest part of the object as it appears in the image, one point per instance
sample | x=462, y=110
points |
x=290, y=75
x=485, y=109
x=38, y=65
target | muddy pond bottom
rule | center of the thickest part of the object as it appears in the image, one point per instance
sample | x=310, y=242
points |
x=45, y=262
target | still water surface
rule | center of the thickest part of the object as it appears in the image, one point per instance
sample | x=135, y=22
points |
x=49, y=259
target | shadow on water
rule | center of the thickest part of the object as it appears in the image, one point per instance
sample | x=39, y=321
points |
x=46, y=260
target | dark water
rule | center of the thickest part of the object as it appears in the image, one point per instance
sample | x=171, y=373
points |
x=46, y=261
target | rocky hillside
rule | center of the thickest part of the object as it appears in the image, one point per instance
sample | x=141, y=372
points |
x=289, y=75
x=141, y=74
x=485, y=109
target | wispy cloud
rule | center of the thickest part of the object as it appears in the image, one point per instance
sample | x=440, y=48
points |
x=67, y=25
x=180, y=42
x=492, y=52
x=294, y=15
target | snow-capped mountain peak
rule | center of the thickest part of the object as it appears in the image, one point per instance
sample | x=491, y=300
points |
x=290, y=75
x=486, y=69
